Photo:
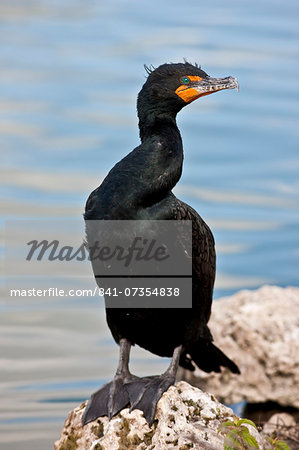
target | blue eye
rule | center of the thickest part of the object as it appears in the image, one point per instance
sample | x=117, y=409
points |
x=185, y=80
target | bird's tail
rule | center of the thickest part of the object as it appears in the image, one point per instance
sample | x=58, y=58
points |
x=210, y=358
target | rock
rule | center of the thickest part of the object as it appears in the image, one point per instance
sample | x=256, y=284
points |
x=283, y=426
x=259, y=330
x=186, y=418
x=278, y=421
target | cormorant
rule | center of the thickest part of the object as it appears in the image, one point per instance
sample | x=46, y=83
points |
x=140, y=187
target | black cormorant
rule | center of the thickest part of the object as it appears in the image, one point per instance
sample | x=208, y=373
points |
x=140, y=187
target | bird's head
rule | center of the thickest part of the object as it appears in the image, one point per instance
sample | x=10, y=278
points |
x=170, y=87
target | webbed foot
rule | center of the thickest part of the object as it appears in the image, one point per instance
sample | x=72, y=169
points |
x=125, y=388
x=144, y=393
x=108, y=400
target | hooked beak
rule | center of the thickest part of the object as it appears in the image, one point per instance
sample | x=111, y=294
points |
x=205, y=86
x=209, y=85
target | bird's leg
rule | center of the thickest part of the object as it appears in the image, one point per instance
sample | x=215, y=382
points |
x=144, y=393
x=174, y=363
x=113, y=396
x=124, y=356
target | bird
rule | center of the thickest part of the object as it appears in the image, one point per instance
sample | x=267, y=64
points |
x=139, y=188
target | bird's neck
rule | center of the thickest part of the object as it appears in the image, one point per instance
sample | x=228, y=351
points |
x=153, y=123
x=148, y=174
x=162, y=150
x=145, y=176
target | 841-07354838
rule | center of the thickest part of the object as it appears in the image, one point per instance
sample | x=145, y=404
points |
x=141, y=291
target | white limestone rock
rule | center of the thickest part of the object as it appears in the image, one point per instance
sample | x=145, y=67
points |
x=186, y=418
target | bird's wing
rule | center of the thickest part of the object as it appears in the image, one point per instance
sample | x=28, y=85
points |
x=203, y=244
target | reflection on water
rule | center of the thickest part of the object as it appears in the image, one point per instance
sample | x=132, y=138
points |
x=68, y=82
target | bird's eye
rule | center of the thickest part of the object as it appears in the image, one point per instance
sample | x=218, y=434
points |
x=185, y=80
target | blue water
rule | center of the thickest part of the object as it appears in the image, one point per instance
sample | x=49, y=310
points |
x=70, y=73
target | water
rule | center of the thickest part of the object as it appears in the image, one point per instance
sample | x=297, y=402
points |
x=70, y=73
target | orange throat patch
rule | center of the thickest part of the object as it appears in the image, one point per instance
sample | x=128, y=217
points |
x=188, y=93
